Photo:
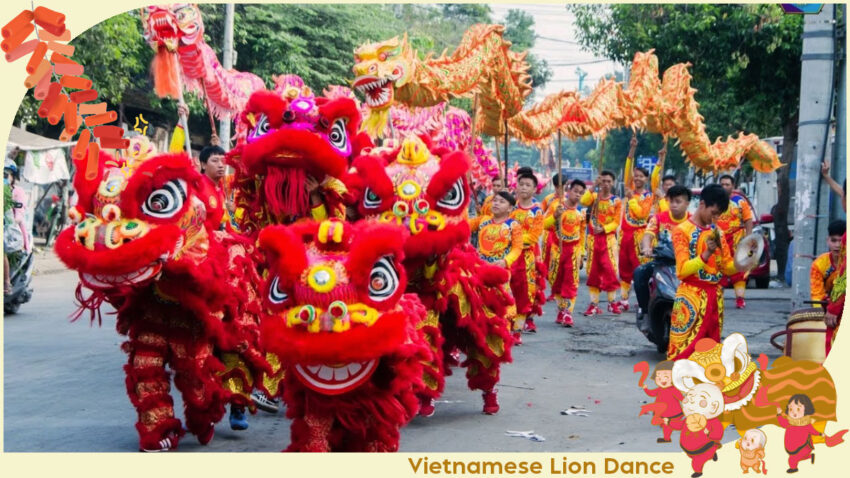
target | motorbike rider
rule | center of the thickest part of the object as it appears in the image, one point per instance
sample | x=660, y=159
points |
x=659, y=228
x=14, y=199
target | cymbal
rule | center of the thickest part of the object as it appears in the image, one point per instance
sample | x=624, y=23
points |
x=748, y=252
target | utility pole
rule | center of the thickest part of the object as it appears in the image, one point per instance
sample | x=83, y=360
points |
x=839, y=165
x=581, y=76
x=227, y=63
x=816, y=93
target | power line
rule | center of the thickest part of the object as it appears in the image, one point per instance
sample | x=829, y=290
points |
x=579, y=63
x=557, y=40
x=571, y=80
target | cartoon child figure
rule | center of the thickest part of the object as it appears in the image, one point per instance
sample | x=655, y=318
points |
x=701, y=428
x=751, y=446
x=797, y=422
x=668, y=395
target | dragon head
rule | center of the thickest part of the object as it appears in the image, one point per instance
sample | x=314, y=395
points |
x=173, y=25
x=422, y=188
x=380, y=67
x=291, y=134
x=334, y=300
x=137, y=218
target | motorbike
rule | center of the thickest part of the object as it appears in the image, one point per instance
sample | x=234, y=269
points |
x=20, y=267
x=654, y=322
x=21, y=264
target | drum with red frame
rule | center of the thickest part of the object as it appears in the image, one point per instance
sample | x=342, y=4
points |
x=805, y=335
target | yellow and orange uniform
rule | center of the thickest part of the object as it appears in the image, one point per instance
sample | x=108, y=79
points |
x=565, y=243
x=822, y=276
x=661, y=225
x=732, y=224
x=602, y=248
x=635, y=218
x=527, y=274
x=698, y=308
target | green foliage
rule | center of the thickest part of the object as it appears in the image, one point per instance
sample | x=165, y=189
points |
x=314, y=41
x=519, y=30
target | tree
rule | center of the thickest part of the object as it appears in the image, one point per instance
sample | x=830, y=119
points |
x=746, y=66
x=519, y=30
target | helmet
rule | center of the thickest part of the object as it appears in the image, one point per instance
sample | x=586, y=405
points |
x=11, y=167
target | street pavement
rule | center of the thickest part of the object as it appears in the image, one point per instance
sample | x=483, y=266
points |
x=64, y=384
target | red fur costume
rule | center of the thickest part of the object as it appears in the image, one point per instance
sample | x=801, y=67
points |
x=468, y=302
x=145, y=241
x=291, y=134
x=287, y=135
x=346, y=333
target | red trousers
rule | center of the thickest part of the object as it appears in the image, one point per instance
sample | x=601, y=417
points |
x=670, y=427
x=802, y=454
x=519, y=286
x=566, y=278
x=628, y=259
x=602, y=273
x=698, y=461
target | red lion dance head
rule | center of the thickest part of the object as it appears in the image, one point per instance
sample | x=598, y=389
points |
x=290, y=135
x=136, y=218
x=342, y=325
x=424, y=189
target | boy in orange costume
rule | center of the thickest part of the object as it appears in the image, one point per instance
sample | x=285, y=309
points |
x=557, y=196
x=702, y=258
x=486, y=208
x=667, y=182
x=530, y=280
x=736, y=222
x=602, y=242
x=824, y=269
x=565, y=243
x=660, y=227
x=500, y=240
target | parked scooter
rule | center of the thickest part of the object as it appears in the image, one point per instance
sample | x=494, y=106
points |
x=20, y=267
x=654, y=322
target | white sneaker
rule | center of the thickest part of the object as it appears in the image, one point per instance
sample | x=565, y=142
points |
x=265, y=403
x=166, y=444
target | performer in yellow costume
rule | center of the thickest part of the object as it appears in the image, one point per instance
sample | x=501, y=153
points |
x=635, y=217
x=702, y=258
x=736, y=223
x=824, y=269
x=666, y=183
x=566, y=226
x=527, y=282
x=544, y=206
x=500, y=242
x=602, y=242
x=498, y=185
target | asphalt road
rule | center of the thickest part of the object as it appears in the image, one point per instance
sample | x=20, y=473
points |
x=64, y=384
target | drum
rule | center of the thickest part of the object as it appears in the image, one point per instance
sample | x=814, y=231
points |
x=805, y=335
